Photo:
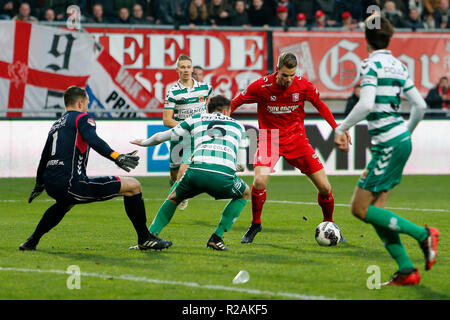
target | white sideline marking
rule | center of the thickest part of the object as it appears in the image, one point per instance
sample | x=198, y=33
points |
x=176, y=283
x=268, y=201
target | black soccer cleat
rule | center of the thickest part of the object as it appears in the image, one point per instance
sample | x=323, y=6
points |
x=215, y=242
x=251, y=233
x=28, y=245
x=154, y=243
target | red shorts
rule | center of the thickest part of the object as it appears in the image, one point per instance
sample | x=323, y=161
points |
x=308, y=163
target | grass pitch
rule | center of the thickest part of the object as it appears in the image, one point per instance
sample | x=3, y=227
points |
x=284, y=261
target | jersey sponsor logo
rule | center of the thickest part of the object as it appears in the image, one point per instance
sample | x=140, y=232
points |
x=281, y=109
x=266, y=85
x=55, y=163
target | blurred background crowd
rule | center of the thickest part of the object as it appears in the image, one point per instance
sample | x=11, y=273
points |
x=348, y=14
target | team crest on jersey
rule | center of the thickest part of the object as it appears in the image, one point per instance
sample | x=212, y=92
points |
x=91, y=122
x=295, y=97
x=201, y=99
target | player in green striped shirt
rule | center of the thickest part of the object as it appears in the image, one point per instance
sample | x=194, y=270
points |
x=184, y=99
x=219, y=151
x=383, y=79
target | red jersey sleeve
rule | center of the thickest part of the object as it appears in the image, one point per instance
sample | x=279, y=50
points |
x=313, y=96
x=249, y=95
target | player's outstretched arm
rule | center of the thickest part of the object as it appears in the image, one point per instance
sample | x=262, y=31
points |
x=418, y=106
x=39, y=186
x=154, y=140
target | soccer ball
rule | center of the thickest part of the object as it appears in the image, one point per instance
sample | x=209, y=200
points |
x=328, y=234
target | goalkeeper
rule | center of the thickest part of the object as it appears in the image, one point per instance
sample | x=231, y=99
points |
x=62, y=173
x=219, y=151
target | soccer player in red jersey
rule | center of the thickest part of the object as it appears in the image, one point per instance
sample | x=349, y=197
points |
x=280, y=98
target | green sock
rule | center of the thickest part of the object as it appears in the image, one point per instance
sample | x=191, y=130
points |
x=229, y=215
x=384, y=218
x=394, y=246
x=163, y=217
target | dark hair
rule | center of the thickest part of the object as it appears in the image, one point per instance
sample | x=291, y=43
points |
x=287, y=59
x=218, y=103
x=73, y=94
x=198, y=67
x=378, y=36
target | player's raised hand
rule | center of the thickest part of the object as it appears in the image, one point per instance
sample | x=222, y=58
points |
x=37, y=190
x=137, y=142
x=127, y=161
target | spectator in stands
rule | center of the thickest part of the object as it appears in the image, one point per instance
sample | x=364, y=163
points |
x=6, y=9
x=198, y=13
x=353, y=99
x=292, y=13
x=347, y=21
x=219, y=13
x=150, y=9
x=59, y=7
x=49, y=15
x=319, y=20
x=307, y=7
x=413, y=20
x=172, y=12
x=439, y=96
x=124, y=16
x=137, y=16
x=281, y=17
x=431, y=5
x=239, y=16
x=353, y=6
x=394, y=16
x=197, y=74
x=24, y=13
x=97, y=15
x=259, y=14
x=441, y=15
x=328, y=7
x=301, y=20
x=419, y=5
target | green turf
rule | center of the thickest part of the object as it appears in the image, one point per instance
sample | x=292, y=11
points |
x=284, y=257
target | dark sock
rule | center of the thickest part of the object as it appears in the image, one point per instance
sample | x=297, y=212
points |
x=135, y=209
x=49, y=220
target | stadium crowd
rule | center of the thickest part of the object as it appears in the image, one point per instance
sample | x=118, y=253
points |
x=413, y=14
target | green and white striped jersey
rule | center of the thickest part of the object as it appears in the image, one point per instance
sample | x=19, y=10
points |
x=390, y=77
x=217, y=139
x=185, y=102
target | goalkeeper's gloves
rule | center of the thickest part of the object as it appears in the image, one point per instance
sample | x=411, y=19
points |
x=37, y=190
x=126, y=161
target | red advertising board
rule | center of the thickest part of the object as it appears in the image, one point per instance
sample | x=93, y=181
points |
x=231, y=59
x=331, y=60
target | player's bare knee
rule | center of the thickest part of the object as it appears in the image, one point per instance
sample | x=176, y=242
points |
x=260, y=182
x=358, y=211
x=325, y=189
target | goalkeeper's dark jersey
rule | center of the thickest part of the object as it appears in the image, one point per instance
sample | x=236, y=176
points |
x=65, y=155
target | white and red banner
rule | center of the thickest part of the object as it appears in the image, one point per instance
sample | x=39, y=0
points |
x=231, y=59
x=38, y=63
x=112, y=87
x=331, y=60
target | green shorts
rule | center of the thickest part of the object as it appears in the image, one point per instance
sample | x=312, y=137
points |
x=385, y=169
x=180, y=153
x=218, y=185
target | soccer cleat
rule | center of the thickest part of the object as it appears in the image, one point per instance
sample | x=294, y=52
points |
x=153, y=243
x=183, y=204
x=404, y=277
x=251, y=233
x=215, y=242
x=28, y=245
x=429, y=247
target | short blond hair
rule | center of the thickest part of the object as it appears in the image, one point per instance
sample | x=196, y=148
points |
x=287, y=59
x=183, y=57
